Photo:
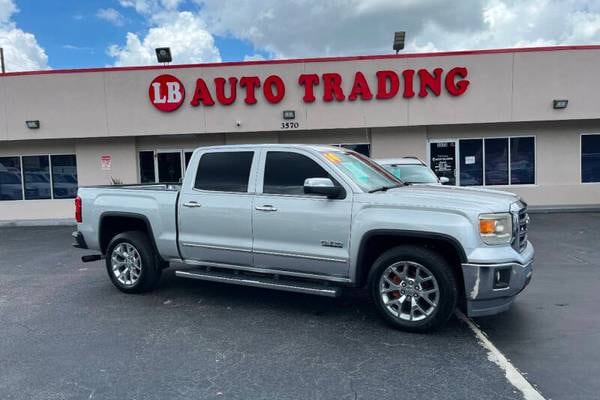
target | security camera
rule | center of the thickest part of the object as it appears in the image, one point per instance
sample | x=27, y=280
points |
x=238, y=123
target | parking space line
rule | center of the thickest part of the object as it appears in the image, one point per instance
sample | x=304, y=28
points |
x=511, y=372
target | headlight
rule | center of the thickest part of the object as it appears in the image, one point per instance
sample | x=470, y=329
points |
x=496, y=228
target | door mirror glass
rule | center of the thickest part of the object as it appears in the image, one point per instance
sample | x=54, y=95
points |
x=444, y=180
x=323, y=187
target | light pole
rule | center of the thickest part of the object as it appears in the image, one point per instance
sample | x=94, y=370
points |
x=2, y=59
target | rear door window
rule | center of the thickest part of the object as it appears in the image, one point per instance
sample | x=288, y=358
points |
x=224, y=171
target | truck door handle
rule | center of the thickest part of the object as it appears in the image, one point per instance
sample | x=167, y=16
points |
x=266, y=208
x=192, y=204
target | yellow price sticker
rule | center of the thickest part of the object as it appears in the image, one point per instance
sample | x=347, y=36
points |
x=334, y=158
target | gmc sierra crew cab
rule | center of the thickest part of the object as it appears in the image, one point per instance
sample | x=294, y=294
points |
x=314, y=219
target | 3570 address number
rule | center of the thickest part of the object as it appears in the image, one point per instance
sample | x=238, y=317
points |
x=290, y=125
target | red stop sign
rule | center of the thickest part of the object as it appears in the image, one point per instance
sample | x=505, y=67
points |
x=166, y=93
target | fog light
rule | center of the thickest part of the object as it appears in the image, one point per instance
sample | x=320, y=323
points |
x=502, y=278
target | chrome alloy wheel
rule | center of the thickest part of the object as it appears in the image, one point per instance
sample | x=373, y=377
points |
x=126, y=264
x=409, y=291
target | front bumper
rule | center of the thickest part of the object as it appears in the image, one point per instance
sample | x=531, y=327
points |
x=481, y=295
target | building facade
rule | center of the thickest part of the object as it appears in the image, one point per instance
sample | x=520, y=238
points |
x=522, y=120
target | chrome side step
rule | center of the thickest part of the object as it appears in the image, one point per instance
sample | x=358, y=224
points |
x=261, y=282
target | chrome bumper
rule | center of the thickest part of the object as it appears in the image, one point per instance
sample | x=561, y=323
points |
x=483, y=298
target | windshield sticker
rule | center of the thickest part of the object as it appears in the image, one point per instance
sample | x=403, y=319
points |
x=334, y=158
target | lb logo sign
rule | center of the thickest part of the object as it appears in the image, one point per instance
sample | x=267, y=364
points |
x=166, y=93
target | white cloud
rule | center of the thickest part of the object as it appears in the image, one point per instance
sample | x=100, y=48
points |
x=254, y=57
x=21, y=49
x=184, y=32
x=151, y=6
x=7, y=9
x=111, y=15
x=303, y=28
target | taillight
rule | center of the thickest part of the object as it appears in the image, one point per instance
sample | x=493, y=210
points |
x=78, y=209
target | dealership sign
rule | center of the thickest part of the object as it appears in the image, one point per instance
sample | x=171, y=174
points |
x=167, y=93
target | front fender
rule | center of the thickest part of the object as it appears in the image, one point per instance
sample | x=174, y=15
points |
x=453, y=227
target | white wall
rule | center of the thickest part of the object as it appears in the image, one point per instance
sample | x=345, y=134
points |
x=504, y=87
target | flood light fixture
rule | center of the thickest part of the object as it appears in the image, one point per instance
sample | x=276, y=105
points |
x=163, y=55
x=559, y=104
x=399, y=41
x=33, y=124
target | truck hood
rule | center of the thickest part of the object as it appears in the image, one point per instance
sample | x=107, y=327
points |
x=445, y=197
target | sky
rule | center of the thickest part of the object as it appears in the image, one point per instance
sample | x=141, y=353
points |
x=56, y=34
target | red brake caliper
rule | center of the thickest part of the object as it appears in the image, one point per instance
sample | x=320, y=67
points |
x=396, y=293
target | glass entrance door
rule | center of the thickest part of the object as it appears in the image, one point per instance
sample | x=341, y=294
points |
x=442, y=159
x=169, y=166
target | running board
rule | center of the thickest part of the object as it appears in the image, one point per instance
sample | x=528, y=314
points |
x=262, y=282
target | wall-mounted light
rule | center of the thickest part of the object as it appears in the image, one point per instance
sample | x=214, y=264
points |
x=289, y=114
x=163, y=55
x=33, y=124
x=560, y=104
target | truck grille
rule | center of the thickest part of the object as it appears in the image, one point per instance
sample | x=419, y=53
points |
x=521, y=231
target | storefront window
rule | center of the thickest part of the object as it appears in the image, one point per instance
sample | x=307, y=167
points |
x=147, y=174
x=36, y=173
x=590, y=158
x=188, y=157
x=471, y=162
x=10, y=179
x=363, y=148
x=167, y=163
x=522, y=161
x=64, y=176
x=496, y=161
x=487, y=162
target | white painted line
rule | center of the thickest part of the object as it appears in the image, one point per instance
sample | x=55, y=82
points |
x=494, y=355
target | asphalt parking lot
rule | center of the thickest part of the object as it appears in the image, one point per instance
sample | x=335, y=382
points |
x=67, y=333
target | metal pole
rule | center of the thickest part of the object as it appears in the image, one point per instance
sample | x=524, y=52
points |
x=2, y=59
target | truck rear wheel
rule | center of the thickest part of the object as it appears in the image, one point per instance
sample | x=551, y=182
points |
x=131, y=262
x=413, y=288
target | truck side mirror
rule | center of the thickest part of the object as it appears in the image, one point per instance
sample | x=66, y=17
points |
x=322, y=187
x=444, y=180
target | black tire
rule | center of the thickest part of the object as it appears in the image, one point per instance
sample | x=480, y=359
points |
x=149, y=276
x=435, y=265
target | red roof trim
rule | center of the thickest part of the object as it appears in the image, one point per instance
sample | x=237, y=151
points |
x=310, y=60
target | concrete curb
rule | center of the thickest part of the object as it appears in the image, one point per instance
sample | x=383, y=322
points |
x=38, y=222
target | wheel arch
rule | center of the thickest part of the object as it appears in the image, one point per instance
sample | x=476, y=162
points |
x=373, y=243
x=111, y=223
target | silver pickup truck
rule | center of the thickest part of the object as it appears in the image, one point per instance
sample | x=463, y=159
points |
x=315, y=219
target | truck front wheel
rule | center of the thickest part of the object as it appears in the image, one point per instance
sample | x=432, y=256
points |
x=413, y=288
x=131, y=262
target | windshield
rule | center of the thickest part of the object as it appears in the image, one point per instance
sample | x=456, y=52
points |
x=364, y=172
x=412, y=173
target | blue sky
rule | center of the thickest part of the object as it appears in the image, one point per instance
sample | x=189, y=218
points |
x=74, y=37
x=43, y=34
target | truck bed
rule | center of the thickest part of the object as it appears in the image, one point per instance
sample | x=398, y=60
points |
x=155, y=203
